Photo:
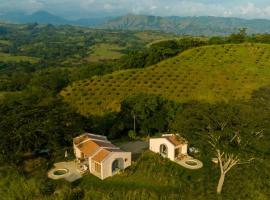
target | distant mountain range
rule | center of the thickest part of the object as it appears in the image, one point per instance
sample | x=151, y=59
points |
x=43, y=17
x=176, y=25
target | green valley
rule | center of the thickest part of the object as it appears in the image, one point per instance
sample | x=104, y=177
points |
x=59, y=82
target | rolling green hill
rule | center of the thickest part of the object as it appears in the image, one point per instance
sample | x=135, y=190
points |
x=211, y=74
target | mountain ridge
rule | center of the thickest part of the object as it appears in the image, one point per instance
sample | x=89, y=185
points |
x=201, y=25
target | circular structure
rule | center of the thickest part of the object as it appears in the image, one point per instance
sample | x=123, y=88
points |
x=190, y=163
x=60, y=172
x=57, y=173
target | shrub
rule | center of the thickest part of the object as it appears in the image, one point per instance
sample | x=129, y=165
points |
x=132, y=135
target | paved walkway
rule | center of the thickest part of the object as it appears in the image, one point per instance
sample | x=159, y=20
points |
x=72, y=171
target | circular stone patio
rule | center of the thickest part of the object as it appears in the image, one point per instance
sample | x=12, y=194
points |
x=66, y=170
x=190, y=163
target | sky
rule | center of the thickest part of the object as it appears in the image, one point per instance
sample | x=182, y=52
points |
x=74, y=9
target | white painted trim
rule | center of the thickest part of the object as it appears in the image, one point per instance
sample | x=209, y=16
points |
x=96, y=135
x=101, y=171
x=90, y=164
x=105, y=141
x=88, y=139
x=111, y=147
x=166, y=135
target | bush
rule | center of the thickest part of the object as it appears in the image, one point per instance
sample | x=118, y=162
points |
x=132, y=135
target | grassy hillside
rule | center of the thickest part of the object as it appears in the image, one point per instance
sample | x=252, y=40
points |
x=5, y=57
x=211, y=74
x=151, y=177
x=105, y=51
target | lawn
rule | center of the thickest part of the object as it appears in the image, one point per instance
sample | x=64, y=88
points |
x=150, y=37
x=209, y=74
x=105, y=51
x=149, y=178
x=5, y=42
x=5, y=57
x=2, y=95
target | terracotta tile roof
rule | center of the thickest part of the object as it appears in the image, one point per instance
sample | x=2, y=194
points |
x=101, y=155
x=95, y=145
x=175, y=139
x=88, y=147
x=80, y=139
x=105, y=144
x=86, y=136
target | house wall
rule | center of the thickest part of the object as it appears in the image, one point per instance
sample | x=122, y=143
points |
x=92, y=169
x=107, y=163
x=154, y=145
x=184, y=149
x=77, y=152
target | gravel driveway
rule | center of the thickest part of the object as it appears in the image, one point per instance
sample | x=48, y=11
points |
x=135, y=147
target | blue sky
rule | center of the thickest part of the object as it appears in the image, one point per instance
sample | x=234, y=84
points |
x=91, y=8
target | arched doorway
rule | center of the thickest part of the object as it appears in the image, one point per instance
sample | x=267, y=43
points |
x=163, y=150
x=117, y=165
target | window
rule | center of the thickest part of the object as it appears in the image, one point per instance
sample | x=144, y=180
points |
x=163, y=150
x=97, y=167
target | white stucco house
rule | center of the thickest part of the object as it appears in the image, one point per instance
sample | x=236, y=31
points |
x=99, y=155
x=171, y=146
x=175, y=148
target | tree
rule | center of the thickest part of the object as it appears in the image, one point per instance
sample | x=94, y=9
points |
x=152, y=113
x=226, y=161
x=239, y=37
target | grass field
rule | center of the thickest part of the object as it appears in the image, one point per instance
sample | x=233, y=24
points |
x=2, y=95
x=4, y=57
x=210, y=74
x=138, y=182
x=150, y=37
x=105, y=51
x=5, y=42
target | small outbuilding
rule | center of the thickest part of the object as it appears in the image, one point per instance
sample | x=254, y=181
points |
x=99, y=155
x=175, y=148
x=171, y=146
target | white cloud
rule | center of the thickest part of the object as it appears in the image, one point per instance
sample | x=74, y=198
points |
x=79, y=8
x=24, y=5
x=108, y=6
x=249, y=9
x=153, y=7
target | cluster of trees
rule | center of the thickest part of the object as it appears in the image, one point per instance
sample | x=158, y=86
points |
x=169, y=48
x=159, y=51
x=240, y=37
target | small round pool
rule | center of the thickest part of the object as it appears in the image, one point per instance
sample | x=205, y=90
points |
x=191, y=162
x=60, y=172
